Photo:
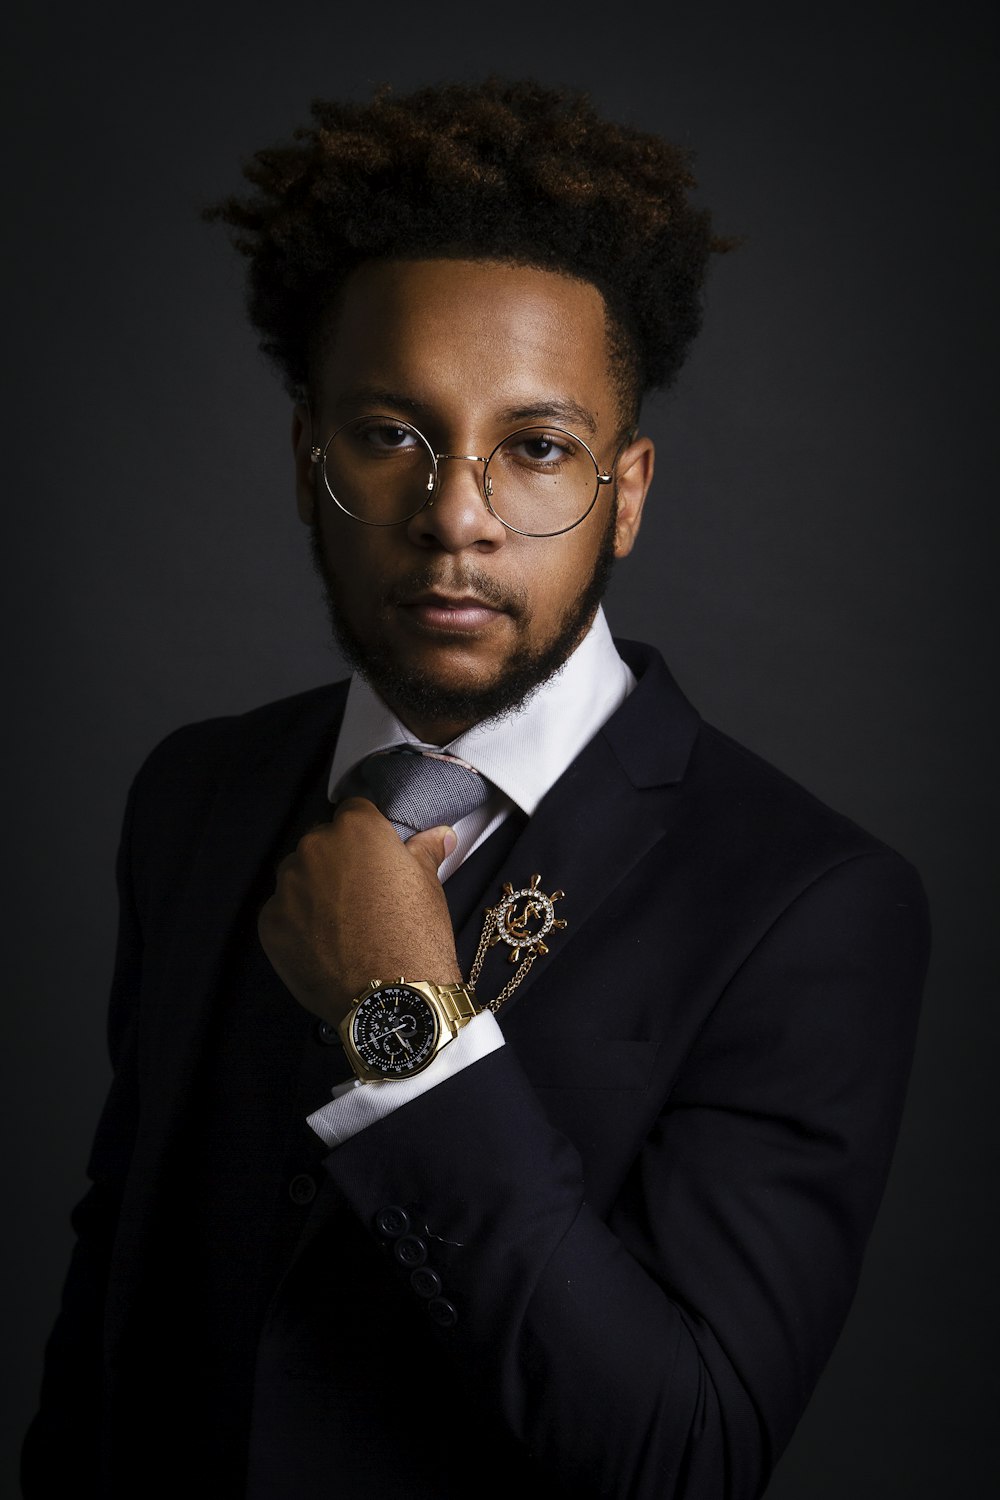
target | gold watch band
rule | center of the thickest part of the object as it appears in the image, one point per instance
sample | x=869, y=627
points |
x=457, y=1002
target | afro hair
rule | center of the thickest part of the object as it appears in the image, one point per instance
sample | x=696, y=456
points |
x=508, y=171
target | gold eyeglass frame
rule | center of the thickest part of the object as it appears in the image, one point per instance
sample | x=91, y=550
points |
x=317, y=455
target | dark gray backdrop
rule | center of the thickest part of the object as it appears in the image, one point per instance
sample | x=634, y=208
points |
x=815, y=560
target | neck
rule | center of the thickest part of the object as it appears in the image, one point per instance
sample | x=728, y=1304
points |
x=437, y=731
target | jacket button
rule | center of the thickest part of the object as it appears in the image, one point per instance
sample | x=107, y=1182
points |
x=425, y=1282
x=442, y=1312
x=410, y=1250
x=302, y=1189
x=392, y=1221
x=327, y=1034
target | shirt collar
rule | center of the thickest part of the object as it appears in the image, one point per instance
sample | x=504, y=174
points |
x=525, y=752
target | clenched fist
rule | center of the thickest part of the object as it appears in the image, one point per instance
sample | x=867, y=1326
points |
x=354, y=903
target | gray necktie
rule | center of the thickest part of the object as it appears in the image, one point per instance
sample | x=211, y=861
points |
x=417, y=789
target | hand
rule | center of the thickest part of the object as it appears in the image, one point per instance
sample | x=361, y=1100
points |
x=353, y=904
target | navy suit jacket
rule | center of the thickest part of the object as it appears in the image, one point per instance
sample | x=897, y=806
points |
x=647, y=1211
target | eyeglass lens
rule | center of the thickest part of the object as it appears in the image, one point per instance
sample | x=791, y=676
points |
x=539, y=480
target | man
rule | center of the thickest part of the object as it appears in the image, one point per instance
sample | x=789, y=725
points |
x=591, y=1219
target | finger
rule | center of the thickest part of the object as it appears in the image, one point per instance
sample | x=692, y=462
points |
x=362, y=811
x=433, y=845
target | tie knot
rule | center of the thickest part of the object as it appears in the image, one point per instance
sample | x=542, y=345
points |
x=417, y=789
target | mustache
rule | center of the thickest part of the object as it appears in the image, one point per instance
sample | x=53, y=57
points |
x=466, y=581
x=470, y=582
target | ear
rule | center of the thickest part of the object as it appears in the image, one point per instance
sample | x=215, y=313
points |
x=305, y=469
x=635, y=475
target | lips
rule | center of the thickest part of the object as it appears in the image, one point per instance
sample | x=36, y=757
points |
x=438, y=599
x=451, y=612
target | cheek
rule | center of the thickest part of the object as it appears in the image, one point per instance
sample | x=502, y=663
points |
x=575, y=568
x=355, y=556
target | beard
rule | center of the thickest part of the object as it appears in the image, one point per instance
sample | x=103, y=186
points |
x=415, y=694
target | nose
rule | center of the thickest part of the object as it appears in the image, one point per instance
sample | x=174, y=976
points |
x=456, y=516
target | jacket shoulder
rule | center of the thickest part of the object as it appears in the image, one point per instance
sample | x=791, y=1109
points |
x=737, y=807
x=177, y=786
x=771, y=835
x=205, y=750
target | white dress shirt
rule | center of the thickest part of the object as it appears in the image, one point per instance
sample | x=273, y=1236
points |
x=523, y=754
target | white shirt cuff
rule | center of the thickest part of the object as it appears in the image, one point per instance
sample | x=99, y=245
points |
x=356, y=1105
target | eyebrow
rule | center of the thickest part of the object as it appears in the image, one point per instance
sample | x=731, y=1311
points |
x=564, y=410
x=560, y=409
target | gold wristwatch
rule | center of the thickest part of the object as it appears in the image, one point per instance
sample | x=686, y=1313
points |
x=396, y=1030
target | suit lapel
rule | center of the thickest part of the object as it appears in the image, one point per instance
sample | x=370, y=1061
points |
x=275, y=761
x=602, y=816
x=251, y=826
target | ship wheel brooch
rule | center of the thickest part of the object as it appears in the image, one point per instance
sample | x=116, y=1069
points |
x=522, y=919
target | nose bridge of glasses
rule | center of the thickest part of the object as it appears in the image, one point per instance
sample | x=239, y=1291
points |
x=472, y=458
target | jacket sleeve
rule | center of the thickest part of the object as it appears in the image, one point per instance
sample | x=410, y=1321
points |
x=61, y=1451
x=668, y=1348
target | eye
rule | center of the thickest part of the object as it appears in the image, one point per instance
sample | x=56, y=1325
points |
x=378, y=436
x=541, y=448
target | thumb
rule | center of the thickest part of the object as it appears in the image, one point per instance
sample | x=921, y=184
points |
x=433, y=845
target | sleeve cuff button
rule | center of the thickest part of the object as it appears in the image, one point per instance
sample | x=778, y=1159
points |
x=392, y=1222
x=410, y=1250
x=425, y=1282
x=442, y=1312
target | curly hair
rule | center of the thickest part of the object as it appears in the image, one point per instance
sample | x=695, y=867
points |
x=508, y=171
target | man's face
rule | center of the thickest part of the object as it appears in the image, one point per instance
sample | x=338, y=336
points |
x=452, y=617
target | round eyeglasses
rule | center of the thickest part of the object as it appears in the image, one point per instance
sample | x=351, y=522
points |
x=539, y=481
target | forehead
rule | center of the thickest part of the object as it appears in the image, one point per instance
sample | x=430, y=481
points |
x=478, y=333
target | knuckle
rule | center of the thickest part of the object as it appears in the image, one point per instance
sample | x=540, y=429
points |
x=354, y=807
x=311, y=842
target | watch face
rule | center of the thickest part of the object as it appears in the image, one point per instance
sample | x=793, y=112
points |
x=395, y=1031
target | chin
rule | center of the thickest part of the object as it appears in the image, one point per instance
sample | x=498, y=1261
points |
x=421, y=694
